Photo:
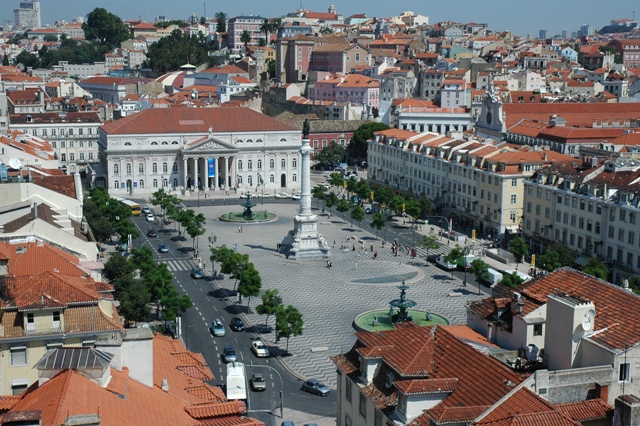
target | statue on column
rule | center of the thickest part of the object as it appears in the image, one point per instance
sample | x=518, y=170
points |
x=305, y=129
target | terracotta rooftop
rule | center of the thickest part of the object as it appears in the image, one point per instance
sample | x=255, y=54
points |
x=576, y=114
x=36, y=258
x=194, y=120
x=55, y=117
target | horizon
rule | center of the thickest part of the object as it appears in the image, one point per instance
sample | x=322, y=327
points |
x=551, y=16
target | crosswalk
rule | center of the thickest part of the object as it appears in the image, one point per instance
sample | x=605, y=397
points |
x=179, y=265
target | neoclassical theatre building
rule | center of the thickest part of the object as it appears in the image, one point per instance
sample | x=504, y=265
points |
x=198, y=148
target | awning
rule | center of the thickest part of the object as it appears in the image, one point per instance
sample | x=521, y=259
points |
x=512, y=229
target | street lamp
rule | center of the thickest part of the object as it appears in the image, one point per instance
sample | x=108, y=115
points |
x=281, y=384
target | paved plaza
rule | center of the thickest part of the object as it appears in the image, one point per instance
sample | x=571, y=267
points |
x=330, y=298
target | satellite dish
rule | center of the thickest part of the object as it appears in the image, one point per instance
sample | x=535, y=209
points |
x=14, y=163
x=587, y=320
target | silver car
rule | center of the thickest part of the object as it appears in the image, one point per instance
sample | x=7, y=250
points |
x=258, y=382
x=217, y=328
x=315, y=386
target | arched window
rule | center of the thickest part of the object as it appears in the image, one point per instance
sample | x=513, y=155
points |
x=175, y=167
x=165, y=168
x=294, y=163
x=155, y=183
x=116, y=169
x=175, y=183
x=249, y=140
x=165, y=183
x=165, y=143
x=127, y=144
x=154, y=143
x=128, y=168
x=294, y=177
x=140, y=168
x=259, y=164
x=239, y=164
x=174, y=143
x=239, y=180
x=116, y=185
x=272, y=178
x=283, y=163
x=154, y=168
x=141, y=183
x=272, y=164
x=283, y=140
x=250, y=180
x=258, y=140
x=249, y=165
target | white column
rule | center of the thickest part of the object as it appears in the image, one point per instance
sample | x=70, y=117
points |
x=226, y=173
x=216, y=168
x=234, y=181
x=204, y=173
x=184, y=172
x=305, y=172
x=195, y=172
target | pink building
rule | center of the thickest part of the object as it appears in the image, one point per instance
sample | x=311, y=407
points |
x=355, y=88
x=292, y=58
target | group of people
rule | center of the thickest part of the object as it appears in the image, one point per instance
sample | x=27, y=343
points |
x=399, y=248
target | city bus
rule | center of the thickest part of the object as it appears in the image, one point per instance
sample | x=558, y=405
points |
x=135, y=207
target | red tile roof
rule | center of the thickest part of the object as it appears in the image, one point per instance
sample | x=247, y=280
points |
x=36, y=258
x=576, y=114
x=194, y=120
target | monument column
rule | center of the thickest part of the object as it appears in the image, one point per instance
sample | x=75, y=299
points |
x=304, y=241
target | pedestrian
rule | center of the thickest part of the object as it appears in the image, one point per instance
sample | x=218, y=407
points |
x=334, y=242
x=353, y=247
x=239, y=229
x=371, y=247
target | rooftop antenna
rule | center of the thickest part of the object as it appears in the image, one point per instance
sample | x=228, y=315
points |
x=204, y=3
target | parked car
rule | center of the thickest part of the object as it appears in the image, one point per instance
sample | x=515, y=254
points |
x=229, y=354
x=217, y=328
x=259, y=349
x=197, y=273
x=163, y=248
x=243, y=195
x=258, y=382
x=287, y=423
x=152, y=233
x=150, y=217
x=432, y=258
x=296, y=196
x=315, y=386
x=236, y=324
x=146, y=210
x=283, y=195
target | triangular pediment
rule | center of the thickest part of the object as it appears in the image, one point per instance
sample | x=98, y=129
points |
x=210, y=145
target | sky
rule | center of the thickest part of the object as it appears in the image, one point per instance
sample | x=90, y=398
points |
x=518, y=16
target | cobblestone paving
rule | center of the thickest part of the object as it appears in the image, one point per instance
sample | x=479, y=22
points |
x=331, y=298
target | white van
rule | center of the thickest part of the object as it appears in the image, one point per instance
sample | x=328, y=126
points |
x=522, y=275
x=447, y=266
x=491, y=276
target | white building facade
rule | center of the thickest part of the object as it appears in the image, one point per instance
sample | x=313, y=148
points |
x=199, y=148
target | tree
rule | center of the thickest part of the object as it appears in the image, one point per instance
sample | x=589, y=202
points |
x=357, y=148
x=245, y=38
x=50, y=38
x=343, y=206
x=330, y=155
x=396, y=204
x=271, y=299
x=556, y=256
x=357, y=214
x=381, y=195
x=116, y=267
x=352, y=185
x=378, y=222
x=478, y=268
x=250, y=282
x=595, y=267
x=455, y=256
x=519, y=250
x=511, y=280
x=336, y=179
x=363, y=191
x=266, y=28
x=27, y=59
x=331, y=199
x=101, y=228
x=428, y=242
x=124, y=228
x=106, y=28
x=318, y=192
x=134, y=301
x=289, y=323
x=221, y=22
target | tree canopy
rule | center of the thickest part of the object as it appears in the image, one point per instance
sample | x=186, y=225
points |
x=358, y=146
x=289, y=323
x=330, y=155
x=106, y=28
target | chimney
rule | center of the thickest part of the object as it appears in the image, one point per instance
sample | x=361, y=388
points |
x=602, y=391
x=165, y=385
x=546, y=157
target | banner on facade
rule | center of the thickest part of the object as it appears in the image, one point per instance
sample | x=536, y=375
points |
x=211, y=167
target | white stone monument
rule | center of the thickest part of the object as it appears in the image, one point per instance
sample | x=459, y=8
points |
x=304, y=241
